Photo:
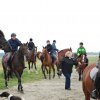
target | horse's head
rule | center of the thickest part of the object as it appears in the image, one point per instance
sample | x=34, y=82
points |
x=82, y=60
x=24, y=50
x=4, y=45
x=44, y=50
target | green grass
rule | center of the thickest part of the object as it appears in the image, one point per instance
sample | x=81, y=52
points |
x=30, y=77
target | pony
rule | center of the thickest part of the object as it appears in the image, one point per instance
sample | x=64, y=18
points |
x=32, y=58
x=17, y=65
x=47, y=62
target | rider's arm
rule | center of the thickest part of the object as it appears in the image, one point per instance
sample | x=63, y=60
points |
x=78, y=51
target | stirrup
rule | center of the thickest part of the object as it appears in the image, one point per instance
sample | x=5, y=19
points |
x=94, y=94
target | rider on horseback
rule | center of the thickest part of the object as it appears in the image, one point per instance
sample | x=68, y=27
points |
x=81, y=50
x=14, y=43
x=50, y=50
x=54, y=50
x=32, y=47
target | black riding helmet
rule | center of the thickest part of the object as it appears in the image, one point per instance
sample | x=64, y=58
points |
x=31, y=39
x=54, y=40
x=81, y=43
x=48, y=41
x=13, y=34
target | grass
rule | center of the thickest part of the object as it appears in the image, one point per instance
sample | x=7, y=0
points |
x=31, y=77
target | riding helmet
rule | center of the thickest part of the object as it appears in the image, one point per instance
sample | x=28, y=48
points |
x=81, y=43
x=13, y=34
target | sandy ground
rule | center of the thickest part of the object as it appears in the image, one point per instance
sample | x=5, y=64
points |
x=51, y=90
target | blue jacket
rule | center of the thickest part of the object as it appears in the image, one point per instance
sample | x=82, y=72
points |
x=14, y=44
x=54, y=49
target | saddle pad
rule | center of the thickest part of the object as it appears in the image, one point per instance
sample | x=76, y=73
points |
x=93, y=73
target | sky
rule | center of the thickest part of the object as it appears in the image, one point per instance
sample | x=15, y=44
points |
x=69, y=22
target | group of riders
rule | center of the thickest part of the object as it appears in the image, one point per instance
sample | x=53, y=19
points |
x=51, y=48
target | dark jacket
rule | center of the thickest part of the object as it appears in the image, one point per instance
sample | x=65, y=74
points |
x=31, y=45
x=14, y=44
x=66, y=64
x=54, y=49
x=49, y=48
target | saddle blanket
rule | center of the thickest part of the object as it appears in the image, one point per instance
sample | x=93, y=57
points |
x=93, y=73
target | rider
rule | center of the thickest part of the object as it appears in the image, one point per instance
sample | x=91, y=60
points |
x=50, y=50
x=54, y=50
x=14, y=43
x=81, y=50
x=31, y=45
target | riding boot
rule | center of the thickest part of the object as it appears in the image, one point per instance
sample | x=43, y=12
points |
x=94, y=94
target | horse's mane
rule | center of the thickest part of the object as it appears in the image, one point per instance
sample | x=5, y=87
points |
x=1, y=34
x=64, y=50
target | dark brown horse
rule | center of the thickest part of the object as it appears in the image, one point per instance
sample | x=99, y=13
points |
x=47, y=62
x=32, y=59
x=17, y=65
x=88, y=84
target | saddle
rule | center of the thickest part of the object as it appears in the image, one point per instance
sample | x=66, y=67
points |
x=93, y=73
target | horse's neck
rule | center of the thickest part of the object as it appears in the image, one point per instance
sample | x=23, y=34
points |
x=20, y=55
x=47, y=56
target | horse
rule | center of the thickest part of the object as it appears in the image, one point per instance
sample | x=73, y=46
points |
x=32, y=59
x=61, y=54
x=17, y=65
x=90, y=83
x=4, y=45
x=87, y=82
x=47, y=62
x=80, y=68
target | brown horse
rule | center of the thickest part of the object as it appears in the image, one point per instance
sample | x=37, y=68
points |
x=61, y=54
x=88, y=84
x=3, y=43
x=47, y=62
x=80, y=68
x=32, y=58
x=17, y=65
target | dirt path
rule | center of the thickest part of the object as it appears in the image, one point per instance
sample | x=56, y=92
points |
x=51, y=90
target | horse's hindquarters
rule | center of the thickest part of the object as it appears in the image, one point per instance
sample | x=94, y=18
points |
x=87, y=82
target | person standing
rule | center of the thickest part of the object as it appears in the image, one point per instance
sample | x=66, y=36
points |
x=66, y=65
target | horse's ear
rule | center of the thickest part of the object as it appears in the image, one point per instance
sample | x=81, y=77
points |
x=43, y=47
x=1, y=34
x=70, y=49
x=27, y=43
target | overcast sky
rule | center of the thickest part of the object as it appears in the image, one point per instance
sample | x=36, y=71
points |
x=67, y=21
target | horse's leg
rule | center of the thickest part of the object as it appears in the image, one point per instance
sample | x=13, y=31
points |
x=79, y=74
x=35, y=65
x=87, y=96
x=49, y=72
x=19, y=81
x=43, y=70
x=29, y=65
x=5, y=76
x=53, y=71
x=32, y=65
